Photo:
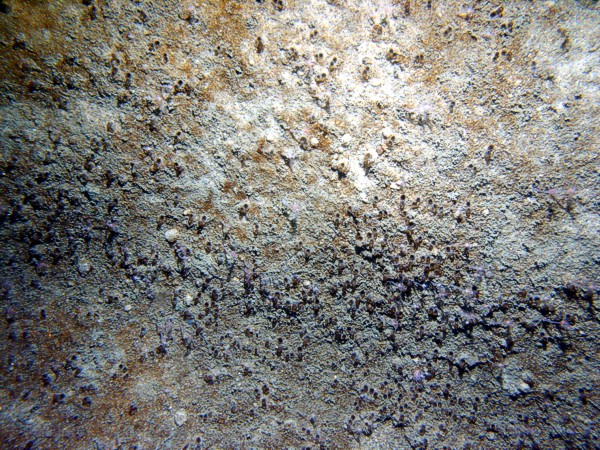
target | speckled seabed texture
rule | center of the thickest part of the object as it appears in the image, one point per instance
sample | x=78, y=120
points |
x=299, y=224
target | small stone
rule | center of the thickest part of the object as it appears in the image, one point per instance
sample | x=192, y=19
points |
x=346, y=139
x=84, y=268
x=516, y=381
x=172, y=235
x=314, y=142
x=128, y=308
x=469, y=359
x=306, y=283
x=524, y=387
x=342, y=166
x=180, y=418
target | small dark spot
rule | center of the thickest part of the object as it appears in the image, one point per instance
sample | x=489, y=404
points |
x=133, y=408
x=4, y=7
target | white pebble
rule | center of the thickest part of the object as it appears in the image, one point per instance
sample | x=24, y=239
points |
x=172, y=235
x=346, y=139
x=180, y=418
x=524, y=387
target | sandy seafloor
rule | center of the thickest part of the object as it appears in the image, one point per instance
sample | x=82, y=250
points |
x=299, y=224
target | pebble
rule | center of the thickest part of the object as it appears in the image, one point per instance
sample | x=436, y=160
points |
x=128, y=308
x=84, y=268
x=172, y=235
x=342, y=166
x=180, y=418
x=524, y=387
